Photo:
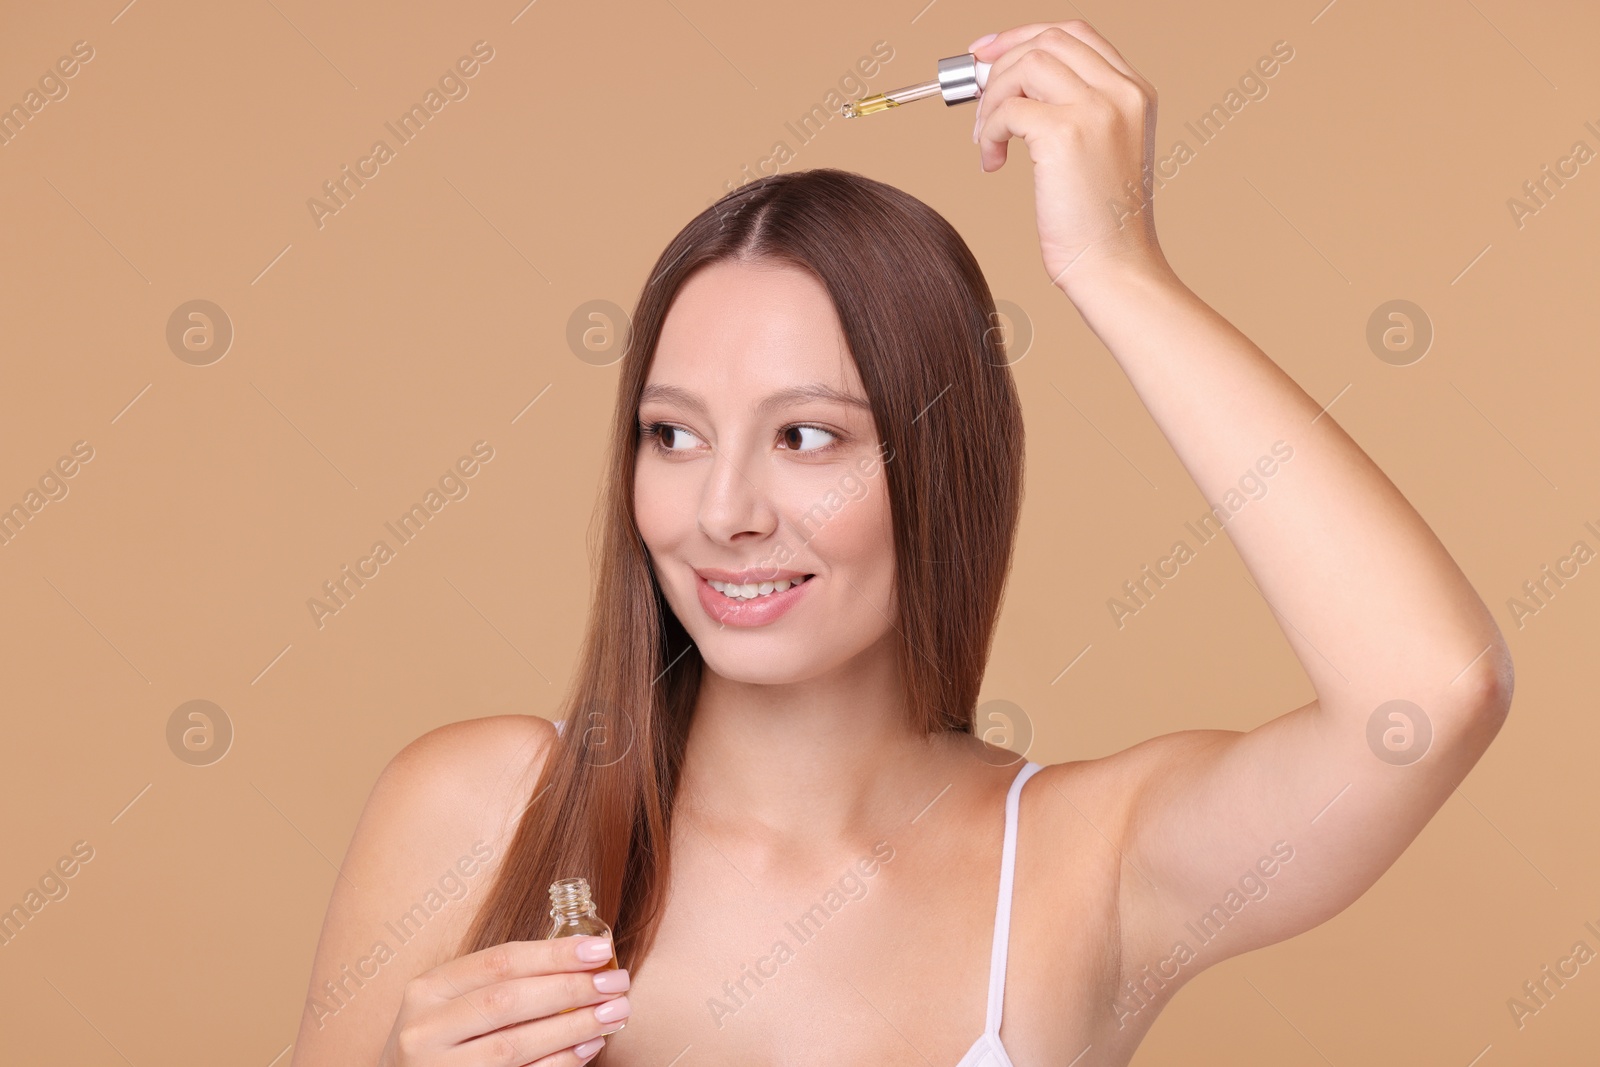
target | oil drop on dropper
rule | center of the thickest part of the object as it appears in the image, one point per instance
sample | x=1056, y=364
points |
x=572, y=914
x=960, y=78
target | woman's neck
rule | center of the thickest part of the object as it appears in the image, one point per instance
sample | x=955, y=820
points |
x=822, y=766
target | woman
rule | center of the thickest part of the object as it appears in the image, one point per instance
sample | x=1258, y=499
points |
x=767, y=768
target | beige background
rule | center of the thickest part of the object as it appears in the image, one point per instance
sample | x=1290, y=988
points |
x=432, y=310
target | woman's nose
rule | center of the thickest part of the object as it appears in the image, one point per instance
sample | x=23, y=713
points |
x=734, y=500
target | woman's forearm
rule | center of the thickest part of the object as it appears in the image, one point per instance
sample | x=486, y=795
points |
x=1371, y=602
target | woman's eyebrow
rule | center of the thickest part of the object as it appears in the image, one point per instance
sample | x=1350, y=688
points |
x=672, y=394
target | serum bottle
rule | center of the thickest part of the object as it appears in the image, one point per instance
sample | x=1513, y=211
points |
x=572, y=914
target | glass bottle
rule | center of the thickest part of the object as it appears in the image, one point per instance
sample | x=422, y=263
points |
x=572, y=914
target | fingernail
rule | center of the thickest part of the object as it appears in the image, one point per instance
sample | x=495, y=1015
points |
x=612, y=1010
x=594, y=948
x=981, y=41
x=589, y=1048
x=611, y=981
x=977, y=120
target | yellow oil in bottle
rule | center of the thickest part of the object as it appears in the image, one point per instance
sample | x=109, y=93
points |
x=572, y=914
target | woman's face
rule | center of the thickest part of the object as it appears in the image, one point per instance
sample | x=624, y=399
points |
x=758, y=460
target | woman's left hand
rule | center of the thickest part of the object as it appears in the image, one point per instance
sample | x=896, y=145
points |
x=1089, y=121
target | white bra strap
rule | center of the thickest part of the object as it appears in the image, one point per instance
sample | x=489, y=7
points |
x=1002, y=915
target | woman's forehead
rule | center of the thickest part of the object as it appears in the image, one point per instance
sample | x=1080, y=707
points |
x=732, y=324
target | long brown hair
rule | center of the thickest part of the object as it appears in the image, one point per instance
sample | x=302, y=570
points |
x=921, y=325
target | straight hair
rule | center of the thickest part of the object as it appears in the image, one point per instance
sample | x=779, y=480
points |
x=921, y=326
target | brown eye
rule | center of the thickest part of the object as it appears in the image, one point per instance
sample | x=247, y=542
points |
x=672, y=434
x=663, y=436
x=793, y=441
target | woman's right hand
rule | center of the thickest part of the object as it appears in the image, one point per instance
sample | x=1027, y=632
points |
x=503, y=1006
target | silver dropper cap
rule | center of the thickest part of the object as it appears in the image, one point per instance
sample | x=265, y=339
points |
x=958, y=78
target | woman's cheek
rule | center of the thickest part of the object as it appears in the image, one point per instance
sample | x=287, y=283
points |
x=849, y=529
x=656, y=505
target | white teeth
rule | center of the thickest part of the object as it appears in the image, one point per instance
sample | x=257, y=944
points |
x=750, y=591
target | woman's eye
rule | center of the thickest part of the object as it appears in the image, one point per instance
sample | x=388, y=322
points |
x=672, y=436
x=793, y=438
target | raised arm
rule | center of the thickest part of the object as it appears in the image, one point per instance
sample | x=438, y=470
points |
x=1371, y=603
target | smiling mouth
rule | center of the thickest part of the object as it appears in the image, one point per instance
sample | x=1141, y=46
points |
x=754, y=590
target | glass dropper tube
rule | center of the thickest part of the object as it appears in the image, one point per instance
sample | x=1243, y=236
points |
x=871, y=105
x=960, y=78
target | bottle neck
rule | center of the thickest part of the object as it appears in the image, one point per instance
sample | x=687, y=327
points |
x=569, y=913
x=570, y=900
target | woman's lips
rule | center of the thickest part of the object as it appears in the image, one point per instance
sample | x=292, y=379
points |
x=757, y=612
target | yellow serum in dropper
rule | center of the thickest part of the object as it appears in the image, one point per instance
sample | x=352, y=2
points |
x=868, y=105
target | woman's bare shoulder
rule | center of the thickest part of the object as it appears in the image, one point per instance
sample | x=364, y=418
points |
x=459, y=789
x=468, y=776
x=475, y=757
x=434, y=828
